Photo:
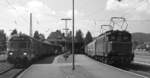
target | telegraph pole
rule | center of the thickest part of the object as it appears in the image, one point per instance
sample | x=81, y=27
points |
x=66, y=29
x=31, y=24
x=73, y=61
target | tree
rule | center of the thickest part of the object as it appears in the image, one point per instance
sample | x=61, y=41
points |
x=14, y=32
x=79, y=36
x=69, y=36
x=36, y=35
x=88, y=38
x=39, y=36
x=79, y=42
x=2, y=40
x=42, y=37
x=57, y=35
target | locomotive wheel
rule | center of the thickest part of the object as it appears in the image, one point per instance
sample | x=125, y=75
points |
x=95, y=57
x=106, y=60
x=103, y=59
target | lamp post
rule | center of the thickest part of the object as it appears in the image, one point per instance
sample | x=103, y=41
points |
x=73, y=57
x=66, y=30
x=31, y=24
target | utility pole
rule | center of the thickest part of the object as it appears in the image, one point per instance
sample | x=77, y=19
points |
x=31, y=24
x=73, y=61
x=66, y=30
x=66, y=23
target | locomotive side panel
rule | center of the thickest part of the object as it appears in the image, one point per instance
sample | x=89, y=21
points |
x=91, y=49
x=44, y=49
x=35, y=48
x=100, y=47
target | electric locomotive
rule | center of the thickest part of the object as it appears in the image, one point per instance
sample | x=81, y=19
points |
x=112, y=47
x=23, y=50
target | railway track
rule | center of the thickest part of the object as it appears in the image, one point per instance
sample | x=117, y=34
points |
x=9, y=71
x=12, y=73
x=137, y=68
x=140, y=69
x=5, y=66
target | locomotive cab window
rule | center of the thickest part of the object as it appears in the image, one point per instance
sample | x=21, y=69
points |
x=19, y=44
x=126, y=38
x=112, y=38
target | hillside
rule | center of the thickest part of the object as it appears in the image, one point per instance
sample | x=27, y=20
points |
x=141, y=37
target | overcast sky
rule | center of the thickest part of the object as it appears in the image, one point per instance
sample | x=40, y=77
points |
x=89, y=14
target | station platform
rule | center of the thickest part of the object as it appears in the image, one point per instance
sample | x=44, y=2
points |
x=84, y=68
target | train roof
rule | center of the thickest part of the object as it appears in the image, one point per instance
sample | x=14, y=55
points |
x=26, y=37
x=47, y=42
x=15, y=36
x=114, y=32
x=108, y=33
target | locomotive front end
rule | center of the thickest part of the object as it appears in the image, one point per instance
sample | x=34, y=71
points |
x=120, y=47
x=18, y=50
x=18, y=56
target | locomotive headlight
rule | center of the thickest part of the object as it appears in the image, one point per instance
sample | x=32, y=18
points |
x=25, y=53
x=10, y=53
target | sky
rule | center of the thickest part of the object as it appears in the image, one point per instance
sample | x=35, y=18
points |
x=89, y=15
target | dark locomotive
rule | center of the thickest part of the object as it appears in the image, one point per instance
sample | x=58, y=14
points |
x=112, y=47
x=23, y=50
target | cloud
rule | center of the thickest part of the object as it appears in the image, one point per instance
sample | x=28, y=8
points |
x=114, y=4
x=133, y=5
x=35, y=4
x=143, y=6
x=20, y=14
x=76, y=12
x=38, y=8
x=17, y=10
